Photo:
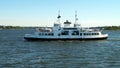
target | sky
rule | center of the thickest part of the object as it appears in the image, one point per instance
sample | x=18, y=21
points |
x=45, y=12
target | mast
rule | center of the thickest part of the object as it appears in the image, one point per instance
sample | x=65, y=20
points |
x=76, y=17
x=57, y=25
x=59, y=16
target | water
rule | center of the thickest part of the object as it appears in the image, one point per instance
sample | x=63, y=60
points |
x=15, y=52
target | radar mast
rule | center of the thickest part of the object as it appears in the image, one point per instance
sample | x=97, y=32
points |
x=59, y=16
x=76, y=19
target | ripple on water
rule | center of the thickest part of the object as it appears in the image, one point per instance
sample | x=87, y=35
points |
x=15, y=52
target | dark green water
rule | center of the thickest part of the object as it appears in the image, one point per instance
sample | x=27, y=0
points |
x=15, y=52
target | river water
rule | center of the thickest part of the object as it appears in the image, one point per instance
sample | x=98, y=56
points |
x=15, y=52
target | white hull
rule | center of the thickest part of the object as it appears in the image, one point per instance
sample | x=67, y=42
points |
x=32, y=37
x=57, y=32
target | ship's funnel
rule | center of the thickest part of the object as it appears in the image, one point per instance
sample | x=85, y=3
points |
x=67, y=23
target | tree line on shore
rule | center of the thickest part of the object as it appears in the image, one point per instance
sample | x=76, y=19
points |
x=11, y=27
x=21, y=27
x=112, y=27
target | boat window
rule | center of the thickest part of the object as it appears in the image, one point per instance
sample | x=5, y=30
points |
x=42, y=34
x=58, y=34
x=65, y=33
x=50, y=34
x=75, y=33
x=56, y=24
x=39, y=33
x=46, y=34
x=80, y=34
x=70, y=28
x=95, y=33
x=87, y=34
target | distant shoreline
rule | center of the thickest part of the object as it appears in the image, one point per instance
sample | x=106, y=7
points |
x=21, y=27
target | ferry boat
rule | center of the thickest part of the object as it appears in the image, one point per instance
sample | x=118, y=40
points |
x=57, y=32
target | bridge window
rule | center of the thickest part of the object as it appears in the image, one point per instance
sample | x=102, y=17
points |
x=75, y=33
x=65, y=33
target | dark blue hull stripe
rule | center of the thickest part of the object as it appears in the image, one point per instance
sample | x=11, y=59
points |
x=64, y=39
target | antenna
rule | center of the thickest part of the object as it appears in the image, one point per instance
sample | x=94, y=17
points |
x=59, y=16
x=76, y=16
